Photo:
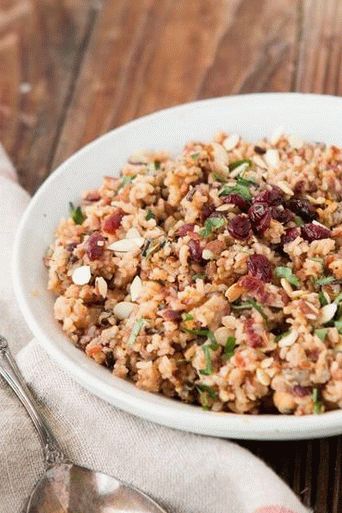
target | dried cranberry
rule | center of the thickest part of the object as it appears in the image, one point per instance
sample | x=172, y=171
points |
x=260, y=217
x=272, y=196
x=255, y=287
x=237, y=200
x=95, y=246
x=195, y=250
x=290, y=235
x=299, y=188
x=259, y=150
x=253, y=339
x=112, y=223
x=240, y=227
x=281, y=214
x=172, y=315
x=313, y=231
x=207, y=210
x=185, y=229
x=303, y=208
x=260, y=267
x=301, y=391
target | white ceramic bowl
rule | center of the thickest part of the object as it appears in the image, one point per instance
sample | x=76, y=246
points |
x=313, y=117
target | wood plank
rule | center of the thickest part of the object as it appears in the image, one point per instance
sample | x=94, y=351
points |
x=41, y=44
x=172, y=52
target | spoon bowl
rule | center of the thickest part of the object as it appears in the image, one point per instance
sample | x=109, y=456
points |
x=65, y=487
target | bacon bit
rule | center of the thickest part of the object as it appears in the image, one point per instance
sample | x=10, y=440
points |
x=253, y=339
x=93, y=196
x=255, y=287
x=185, y=229
x=301, y=391
x=171, y=315
x=112, y=222
x=93, y=350
x=216, y=246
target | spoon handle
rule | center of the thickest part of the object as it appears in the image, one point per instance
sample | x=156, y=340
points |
x=12, y=375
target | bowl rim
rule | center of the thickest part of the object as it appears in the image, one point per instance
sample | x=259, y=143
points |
x=138, y=402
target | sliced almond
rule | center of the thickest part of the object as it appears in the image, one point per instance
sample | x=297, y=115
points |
x=207, y=254
x=102, y=286
x=289, y=339
x=231, y=141
x=240, y=169
x=271, y=158
x=276, y=135
x=224, y=208
x=284, y=186
x=220, y=156
x=123, y=310
x=259, y=161
x=295, y=142
x=234, y=292
x=127, y=245
x=81, y=275
x=287, y=287
x=262, y=377
x=132, y=234
x=136, y=288
x=327, y=312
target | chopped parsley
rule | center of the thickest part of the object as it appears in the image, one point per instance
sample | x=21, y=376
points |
x=208, y=363
x=251, y=303
x=281, y=335
x=299, y=221
x=237, y=163
x=195, y=156
x=219, y=178
x=203, y=333
x=325, y=280
x=157, y=164
x=76, y=214
x=286, y=272
x=125, y=181
x=229, y=347
x=211, y=224
x=152, y=246
x=338, y=299
x=245, y=181
x=239, y=188
x=138, y=324
x=321, y=333
x=198, y=276
x=338, y=325
x=317, y=406
x=149, y=215
x=322, y=299
x=207, y=389
x=187, y=317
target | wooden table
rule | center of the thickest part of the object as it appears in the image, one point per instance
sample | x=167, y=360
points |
x=73, y=69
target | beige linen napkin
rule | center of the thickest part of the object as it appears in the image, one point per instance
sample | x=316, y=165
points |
x=186, y=473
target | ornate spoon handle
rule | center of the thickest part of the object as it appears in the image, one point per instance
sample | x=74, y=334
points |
x=12, y=375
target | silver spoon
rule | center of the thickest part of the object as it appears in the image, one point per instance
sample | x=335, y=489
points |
x=65, y=487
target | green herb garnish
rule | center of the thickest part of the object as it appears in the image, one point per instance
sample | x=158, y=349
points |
x=239, y=188
x=281, y=335
x=149, y=215
x=245, y=181
x=207, y=389
x=198, y=276
x=237, y=163
x=229, y=347
x=299, y=221
x=157, y=165
x=338, y=299
x=125, y=181
x=321, y=333
x=152, y=246
x=251, y=303
x=338, y=325
x=211, y=224
x=286, y=272
x=317, y=403
x=203, y=333
x=187, y=317
x=324, y=281
x=219, y=178
x=138, y=324
x=322, y=299
x=76, y=214
x=208, y=363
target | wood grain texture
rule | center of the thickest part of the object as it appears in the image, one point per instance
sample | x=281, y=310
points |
x=76, y=68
